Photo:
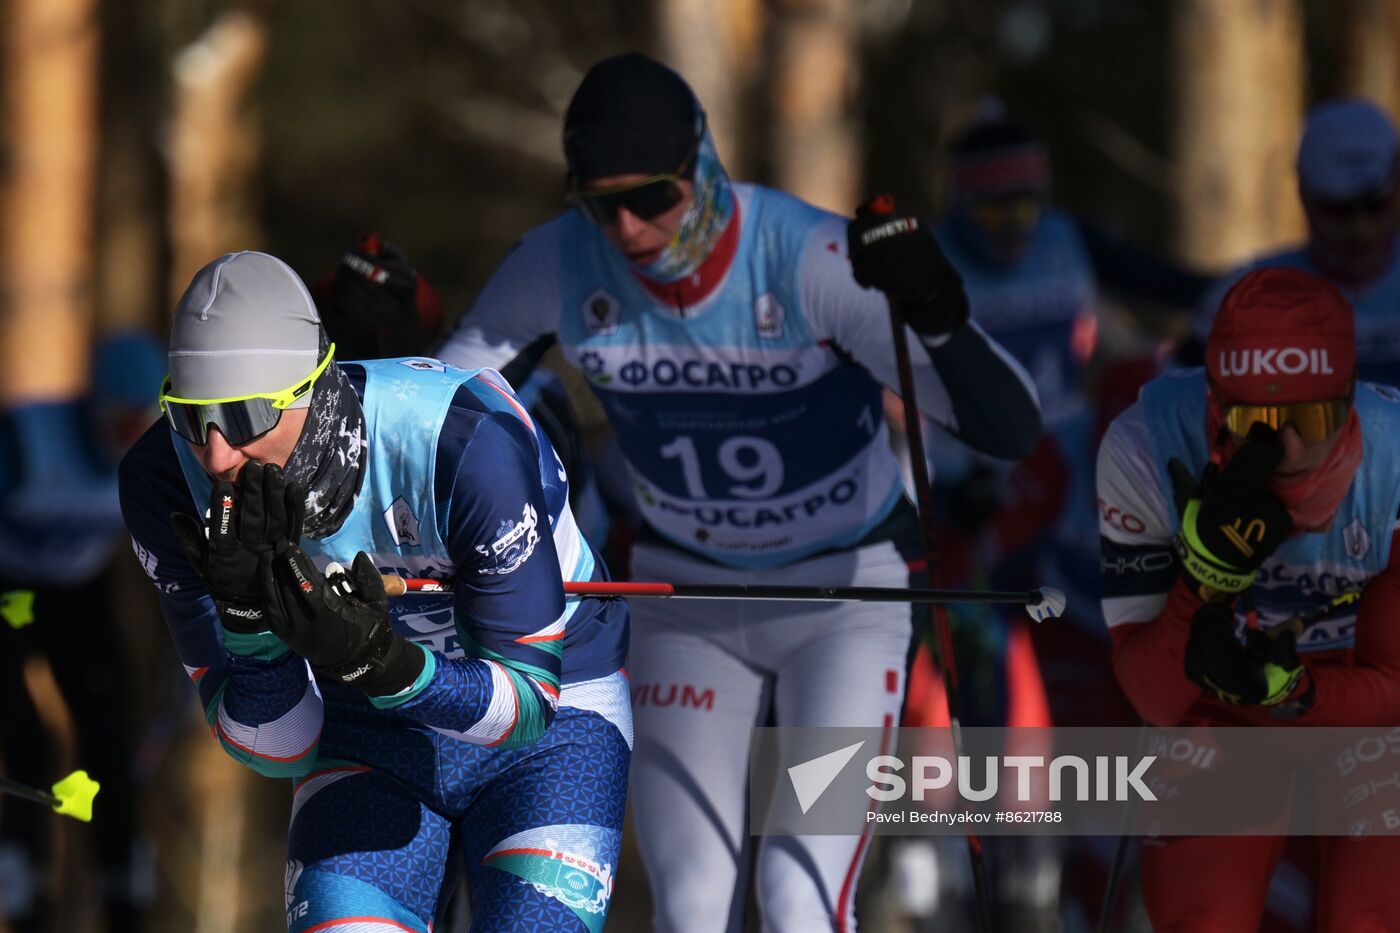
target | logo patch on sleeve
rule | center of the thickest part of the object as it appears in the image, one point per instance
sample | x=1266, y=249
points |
x=514, y=544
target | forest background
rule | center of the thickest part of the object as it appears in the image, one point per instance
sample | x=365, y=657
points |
x=141, y=138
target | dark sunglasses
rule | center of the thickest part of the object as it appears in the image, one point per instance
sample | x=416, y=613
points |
x=647, y=199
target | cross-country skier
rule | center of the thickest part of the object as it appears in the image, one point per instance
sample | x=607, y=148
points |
x=1275, y=475
x=490, y=723
x=741, y=365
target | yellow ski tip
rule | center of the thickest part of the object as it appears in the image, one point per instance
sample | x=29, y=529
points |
x=75, y=794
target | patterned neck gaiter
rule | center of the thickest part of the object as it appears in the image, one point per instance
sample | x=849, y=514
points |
x=711, y=207
x=328, y=458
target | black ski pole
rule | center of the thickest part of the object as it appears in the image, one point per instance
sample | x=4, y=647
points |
x=1041, y=604
x=943, y=640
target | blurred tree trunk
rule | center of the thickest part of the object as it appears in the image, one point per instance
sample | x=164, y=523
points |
x=50, y=69
x=715, y=45
x=130, y=292
x=214, y=145
x=131, y=220
x=1371, y=33
x=1239, y=75
x=814, y=69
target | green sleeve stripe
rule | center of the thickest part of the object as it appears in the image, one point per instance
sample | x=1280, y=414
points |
x=530, y=721
x=263, y=646
x=413, y=689
x=476, y=650
x=554, y=647
x=211, y=709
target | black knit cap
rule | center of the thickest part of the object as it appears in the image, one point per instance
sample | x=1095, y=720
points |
x=630, y=114
x=991, y=135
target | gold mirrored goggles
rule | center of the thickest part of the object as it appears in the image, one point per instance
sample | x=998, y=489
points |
x=1314, y=421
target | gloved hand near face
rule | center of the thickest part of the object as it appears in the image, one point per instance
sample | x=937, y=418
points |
x=244, y=522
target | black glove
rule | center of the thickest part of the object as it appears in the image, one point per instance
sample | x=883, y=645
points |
x=898, y=255
x=1230, y=524
x=373, y=312
x=1264, y=670
x=244, y=522
x=341, y=624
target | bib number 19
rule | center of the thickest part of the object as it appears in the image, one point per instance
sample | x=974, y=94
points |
x=754, y=466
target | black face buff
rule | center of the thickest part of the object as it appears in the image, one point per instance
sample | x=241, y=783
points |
x=329, y=457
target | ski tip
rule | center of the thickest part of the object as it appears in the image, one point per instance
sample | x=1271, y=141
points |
x=75, y=794
x=1050, y=605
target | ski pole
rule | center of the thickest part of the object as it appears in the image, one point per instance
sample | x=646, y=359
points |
x=1122, y=851
x=1041, y=604
x=943, y=640
x=71, y=796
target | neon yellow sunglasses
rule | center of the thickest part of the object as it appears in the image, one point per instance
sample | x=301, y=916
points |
x=241, y=419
